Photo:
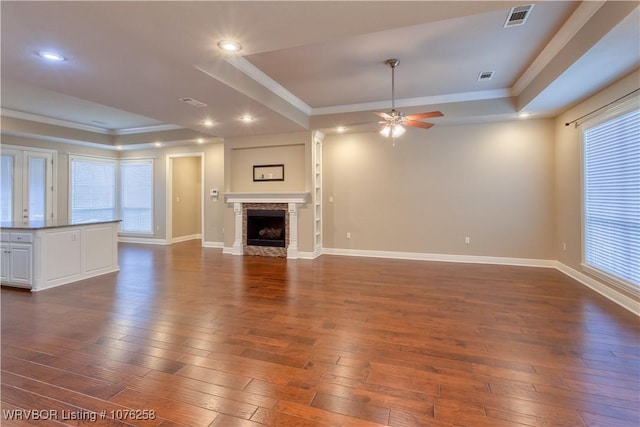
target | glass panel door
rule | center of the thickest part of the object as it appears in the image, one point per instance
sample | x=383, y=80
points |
x=38, y=185
x=6, y=187
x=26, y=185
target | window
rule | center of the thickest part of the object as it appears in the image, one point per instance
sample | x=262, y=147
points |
x=136, y=196
x=93, y=189
x=612, y=196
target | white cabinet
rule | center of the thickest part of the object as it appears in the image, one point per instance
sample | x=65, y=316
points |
x=17, y=259
x=47, y=256
x=5, y=262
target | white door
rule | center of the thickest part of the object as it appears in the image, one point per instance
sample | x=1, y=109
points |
x=26, y=179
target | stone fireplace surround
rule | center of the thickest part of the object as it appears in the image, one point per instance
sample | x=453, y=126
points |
x=290, y=201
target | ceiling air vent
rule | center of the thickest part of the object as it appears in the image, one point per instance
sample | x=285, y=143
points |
x=485, y=75
x=192, y=102
x=518, y=15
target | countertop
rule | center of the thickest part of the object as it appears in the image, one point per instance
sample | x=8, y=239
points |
x=50, y=223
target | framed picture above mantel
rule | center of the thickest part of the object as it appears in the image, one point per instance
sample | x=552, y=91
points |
x=268, y=173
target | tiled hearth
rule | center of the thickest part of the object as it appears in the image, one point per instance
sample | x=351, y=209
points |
x=289, y=201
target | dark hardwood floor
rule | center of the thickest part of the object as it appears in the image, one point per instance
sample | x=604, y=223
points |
x=195, y=337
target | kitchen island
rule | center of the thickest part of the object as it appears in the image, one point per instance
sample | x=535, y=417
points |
x=42, y=254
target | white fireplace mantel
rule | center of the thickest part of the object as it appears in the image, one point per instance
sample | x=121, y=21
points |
x=293, y=199
x=273, y=197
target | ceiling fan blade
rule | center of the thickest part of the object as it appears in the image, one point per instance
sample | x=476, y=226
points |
x=383, y=115
x=417, y=124
x=424, y=115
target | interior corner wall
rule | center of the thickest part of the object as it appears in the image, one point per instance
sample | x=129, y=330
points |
x=568, y=181
x=491, y=182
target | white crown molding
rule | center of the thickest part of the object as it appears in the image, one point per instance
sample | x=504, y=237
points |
x=51, y=121
x=415, y=102
x=57, y=139
x=576, y=21
x=5, y=112
x=259, y=76
x=145, y=129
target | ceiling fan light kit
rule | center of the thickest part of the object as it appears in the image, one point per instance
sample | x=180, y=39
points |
x=394, y=121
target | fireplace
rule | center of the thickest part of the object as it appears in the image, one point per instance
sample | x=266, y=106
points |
x=266, y=228
x=285, y=202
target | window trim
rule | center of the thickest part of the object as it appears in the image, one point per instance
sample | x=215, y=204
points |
x=94, y=159
x=610, y=114
x=151, y=161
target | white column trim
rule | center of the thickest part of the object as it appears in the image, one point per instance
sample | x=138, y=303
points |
x=237, y=248
x=292, y=249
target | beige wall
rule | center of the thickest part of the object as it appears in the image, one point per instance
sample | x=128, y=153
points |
x=291, y=149
x=568, y=182
x=491, y=182
x=214, y=209
x=186, y=196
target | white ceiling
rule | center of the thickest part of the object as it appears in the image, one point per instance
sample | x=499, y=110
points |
x=304, y=65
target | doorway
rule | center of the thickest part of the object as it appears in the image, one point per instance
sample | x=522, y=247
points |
x=185, y=194
x=27, y=186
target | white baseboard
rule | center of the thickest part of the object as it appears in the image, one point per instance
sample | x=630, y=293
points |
x=144, y=240
x=227, y=250
x=604, y=290
x=419, y=256
x=306, y=255
x=216, y=245
x=185, y=238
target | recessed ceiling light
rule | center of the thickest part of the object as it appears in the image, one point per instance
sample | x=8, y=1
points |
x=341, y=129
x=523, y=114
x=50, y=55
x=158, y=144
x=208, y=123
x=247, y=118
x=118, y=147
x=200, y=140
x=229, y=45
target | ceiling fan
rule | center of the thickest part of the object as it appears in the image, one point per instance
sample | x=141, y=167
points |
x=394, y=121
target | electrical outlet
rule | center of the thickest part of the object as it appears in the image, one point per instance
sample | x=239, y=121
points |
x=157, y=228
x=330, y=199
x=467, y=240
x=564, y=246
x=348, y=235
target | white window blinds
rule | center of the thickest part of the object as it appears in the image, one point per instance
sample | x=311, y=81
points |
x=136, y=196
x=93, y=189
x=612, y=197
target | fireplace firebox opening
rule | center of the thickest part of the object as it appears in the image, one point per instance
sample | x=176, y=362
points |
x=266, y=228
